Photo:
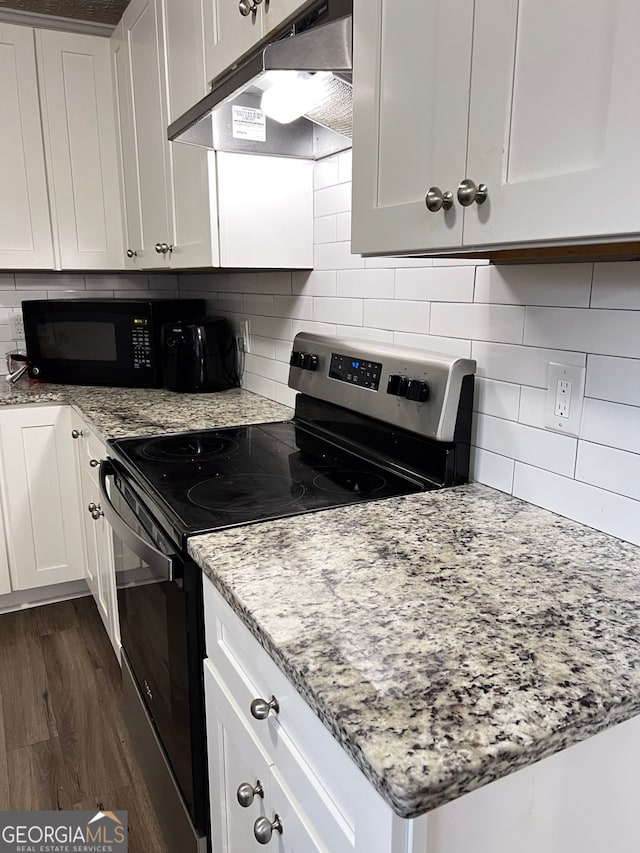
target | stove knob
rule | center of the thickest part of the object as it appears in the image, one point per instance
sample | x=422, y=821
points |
x=397, y=385
x=296, y=359
x=417, y=390
x=309, y=361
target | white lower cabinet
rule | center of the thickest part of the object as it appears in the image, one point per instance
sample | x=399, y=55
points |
x=41, y=496
x=5, y=578
x=580, y=800
x=99, y=560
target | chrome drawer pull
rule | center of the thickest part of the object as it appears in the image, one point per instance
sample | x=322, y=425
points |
x=246, y=793
x=263, y=828
x=260, y=708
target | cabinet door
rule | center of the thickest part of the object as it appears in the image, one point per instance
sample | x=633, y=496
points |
x=129, y=190
x=5, y=579
x=235, y=758
x=191, y=169
x=228, y=34
x=144, y=45
x=554, y=121
x=42, y=496
x=25, y=226
x=410, y=112
x=78, y=120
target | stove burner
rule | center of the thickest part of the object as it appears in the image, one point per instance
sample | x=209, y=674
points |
x=250, y=495
x=358, y=482
x=189, y=448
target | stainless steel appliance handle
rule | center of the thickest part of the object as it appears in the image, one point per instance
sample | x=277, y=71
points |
x=159, y=563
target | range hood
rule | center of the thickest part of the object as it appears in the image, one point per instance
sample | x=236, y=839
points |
x=251, y=107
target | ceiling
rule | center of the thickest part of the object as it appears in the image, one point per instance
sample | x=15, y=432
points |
x=97, y=11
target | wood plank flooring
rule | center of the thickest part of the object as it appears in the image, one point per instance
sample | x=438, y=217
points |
x=63, y=740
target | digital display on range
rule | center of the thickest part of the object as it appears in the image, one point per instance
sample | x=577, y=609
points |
x=355, y=371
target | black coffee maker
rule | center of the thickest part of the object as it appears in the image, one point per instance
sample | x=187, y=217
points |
x=199, y=355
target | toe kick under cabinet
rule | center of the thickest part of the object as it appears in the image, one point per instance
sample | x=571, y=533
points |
x=279, y=780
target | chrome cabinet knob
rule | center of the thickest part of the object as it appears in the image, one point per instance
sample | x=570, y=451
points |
x=92, y=507
x=163, y=248
x=96, y=512
x=76, y=433
x=246, y=793
x=246, y=7
x=131, y=253
x=94, y=463
x=260, y=708
x=436, y=199
x=468, y=192
x=264, y=828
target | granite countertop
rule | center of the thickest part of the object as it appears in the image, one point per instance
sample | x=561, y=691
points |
x=119, y=412
x=445, y=639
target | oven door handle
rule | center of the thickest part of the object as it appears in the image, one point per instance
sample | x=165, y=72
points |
x=159, y=563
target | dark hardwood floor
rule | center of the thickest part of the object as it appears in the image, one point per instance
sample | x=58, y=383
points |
x=63, y=741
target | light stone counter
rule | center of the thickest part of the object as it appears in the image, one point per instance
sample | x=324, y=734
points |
x=119, y=412
x=445, y=639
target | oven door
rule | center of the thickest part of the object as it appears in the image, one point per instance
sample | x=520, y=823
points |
x=161, y=626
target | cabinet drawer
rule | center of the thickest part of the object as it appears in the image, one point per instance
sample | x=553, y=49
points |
x=294, y=738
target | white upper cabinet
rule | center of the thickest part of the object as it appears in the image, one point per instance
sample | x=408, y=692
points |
x=25, y=225
x=233, y=27
x=67, y=215
x=78, y=117
x=534, y=100
x=200, y=208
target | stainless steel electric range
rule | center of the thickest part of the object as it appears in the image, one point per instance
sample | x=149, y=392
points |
x=371, y=422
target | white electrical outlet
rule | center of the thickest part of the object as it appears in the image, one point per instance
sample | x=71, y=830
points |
x=16, y=326
x=565, y=397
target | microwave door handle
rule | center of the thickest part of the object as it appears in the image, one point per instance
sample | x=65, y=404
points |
x=159, y=563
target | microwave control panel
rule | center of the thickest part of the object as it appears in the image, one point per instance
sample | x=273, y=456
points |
x=141, y=342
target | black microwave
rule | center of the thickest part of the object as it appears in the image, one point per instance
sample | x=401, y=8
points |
x=101, y=341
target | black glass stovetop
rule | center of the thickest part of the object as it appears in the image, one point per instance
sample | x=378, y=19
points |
x=209, y=479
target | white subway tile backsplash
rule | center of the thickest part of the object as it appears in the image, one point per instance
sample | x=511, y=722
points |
x=397, y=315
x=611, y=424
x=532, y=407
x=258, y=303
x=344, y=166
x=296, y=307
x=314, y=327
x=5, y=334
x=343, y=226
x=397, y=263
x=267, y=367
x=436, y=284
x=314, y=283
x=274, y=282
x=364, y=333
x=283, y=350
x=229, y=303
x=325, y=173
x=162, y=281
x=482, y=322
x=325, y=229
x=265, y=347
x=604, y=332
x=14, y=298
x=539, y=284
x=336, y=256
x=115, y=281
x=50, y=282
x=259, y=385
x=431, y=343
x=582, y=502
x=526, y=444
x=375, y=284
x=345, y=311
x=336, y=199
x=616, y=285
x=491, y=469
x=285, y=395
x=525, y=365
x=271, y=327
x=614, y=379
x=500, y=399
x=238, y=282
x=609, y=468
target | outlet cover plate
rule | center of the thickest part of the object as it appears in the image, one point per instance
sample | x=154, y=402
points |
x=565, y=398
x=16, y=326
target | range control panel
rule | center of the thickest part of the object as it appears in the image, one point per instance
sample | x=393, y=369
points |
x=141, y=342
x=355, y=371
